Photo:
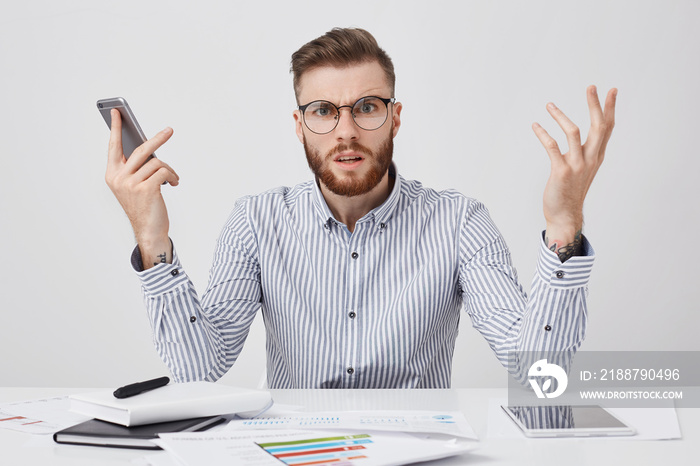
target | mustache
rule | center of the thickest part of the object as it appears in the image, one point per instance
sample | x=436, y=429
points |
x=353, y=146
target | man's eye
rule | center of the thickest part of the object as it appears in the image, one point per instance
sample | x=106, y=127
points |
x=367, y=107
x=322, y=111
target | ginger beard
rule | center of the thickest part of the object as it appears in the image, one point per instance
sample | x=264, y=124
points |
x=351, y=185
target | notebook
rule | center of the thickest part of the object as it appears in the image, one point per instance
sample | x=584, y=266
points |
x=170, y=403
x=106, y=434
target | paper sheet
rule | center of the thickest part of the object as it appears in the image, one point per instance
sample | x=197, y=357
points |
x=42, y=416
x=451, y=423
x=295, y=447
x=650, y=423
x=162, y=458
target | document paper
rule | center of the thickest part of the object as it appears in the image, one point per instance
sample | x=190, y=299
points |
x=451, y=423
x=301, y=448
x=42, y=416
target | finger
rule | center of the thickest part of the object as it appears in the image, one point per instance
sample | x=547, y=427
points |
x=157, y=166
x=573, y=135
x=115, y=153
x=596, y=134
x=548, y=142
x=165, y=175
x=142, y=152
x=609, y=112
x=604, y=120
x=594, y=107
x=608, y=118
x=610, y=101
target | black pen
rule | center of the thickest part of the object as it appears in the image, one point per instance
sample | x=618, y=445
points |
x=140, y=387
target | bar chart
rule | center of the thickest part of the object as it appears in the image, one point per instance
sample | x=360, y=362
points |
x=338, y=451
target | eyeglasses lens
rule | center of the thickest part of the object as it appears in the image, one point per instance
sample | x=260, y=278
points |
x=369, y=113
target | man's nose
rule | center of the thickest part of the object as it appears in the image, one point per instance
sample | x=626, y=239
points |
x=346, y=129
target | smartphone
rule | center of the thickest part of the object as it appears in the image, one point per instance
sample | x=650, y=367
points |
x=567, y=421
x=132, y=134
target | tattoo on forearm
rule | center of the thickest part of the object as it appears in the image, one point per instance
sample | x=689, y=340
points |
x=162, y=259
x=574, y=248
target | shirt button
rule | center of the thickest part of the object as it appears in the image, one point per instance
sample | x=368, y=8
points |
x=350, y=371
x=193, y=318
x=174, y=273
x=354, y=255
x=382, y=226
x=352, y=315
x=559, y=274
x=548, y=327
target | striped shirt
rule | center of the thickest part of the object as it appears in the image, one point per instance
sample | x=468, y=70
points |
x=378, y=308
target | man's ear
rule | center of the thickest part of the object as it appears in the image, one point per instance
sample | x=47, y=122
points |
x=396, y=117
x=297, y=125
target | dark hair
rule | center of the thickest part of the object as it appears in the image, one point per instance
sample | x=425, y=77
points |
x=340, y=47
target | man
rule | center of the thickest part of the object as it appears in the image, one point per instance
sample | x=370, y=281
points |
x=360, y=273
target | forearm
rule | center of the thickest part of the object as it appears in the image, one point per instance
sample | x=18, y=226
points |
x=182, y=335
x=183, y=338
x=552, y=319
x=198, y=340
x=154, y=252
x=565, y=242
x=554, y=323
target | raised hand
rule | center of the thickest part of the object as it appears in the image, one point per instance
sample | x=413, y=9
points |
x=572, y=173
x=136, y=183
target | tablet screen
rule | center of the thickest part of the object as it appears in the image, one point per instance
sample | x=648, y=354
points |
x=566, y=420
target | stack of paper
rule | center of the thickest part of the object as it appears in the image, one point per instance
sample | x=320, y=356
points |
x=345, y=438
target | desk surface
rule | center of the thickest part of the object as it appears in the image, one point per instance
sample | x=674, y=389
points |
x=474, y=403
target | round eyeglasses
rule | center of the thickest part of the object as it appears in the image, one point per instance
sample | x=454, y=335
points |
x=369, y=113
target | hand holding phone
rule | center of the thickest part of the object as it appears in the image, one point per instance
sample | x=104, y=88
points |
x=132, y=135
x=135, y=177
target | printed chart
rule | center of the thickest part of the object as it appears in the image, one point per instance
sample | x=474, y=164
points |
x=307, y=448
x=21, y=423
x=339, y=451
x=43, y=416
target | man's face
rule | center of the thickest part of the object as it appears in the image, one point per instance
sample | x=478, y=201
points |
x=349, y=161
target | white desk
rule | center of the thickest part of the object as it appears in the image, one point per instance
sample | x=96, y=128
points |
x=472, y=402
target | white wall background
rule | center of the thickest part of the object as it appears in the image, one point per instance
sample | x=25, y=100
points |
x=472, y=77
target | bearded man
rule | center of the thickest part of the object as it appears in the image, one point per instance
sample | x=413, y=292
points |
x=360, y=274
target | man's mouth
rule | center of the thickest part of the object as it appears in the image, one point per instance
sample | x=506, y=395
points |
x=348, y=158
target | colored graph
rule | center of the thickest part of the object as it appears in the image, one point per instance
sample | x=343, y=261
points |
x=338, y=451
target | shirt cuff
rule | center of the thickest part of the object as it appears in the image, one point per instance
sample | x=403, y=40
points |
x=572, y=273
x=161, y=278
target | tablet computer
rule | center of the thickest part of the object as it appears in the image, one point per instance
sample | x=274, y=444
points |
x=567, y=421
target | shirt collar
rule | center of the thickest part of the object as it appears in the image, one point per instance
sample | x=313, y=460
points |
x=381, y=214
